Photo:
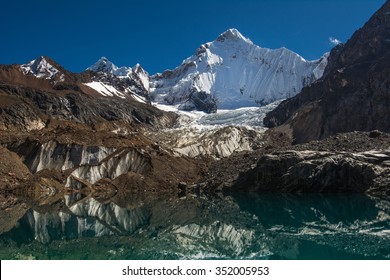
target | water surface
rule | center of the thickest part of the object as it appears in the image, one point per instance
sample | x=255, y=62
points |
x=242, y=226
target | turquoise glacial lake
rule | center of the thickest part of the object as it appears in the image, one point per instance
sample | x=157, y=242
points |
x=239, y=226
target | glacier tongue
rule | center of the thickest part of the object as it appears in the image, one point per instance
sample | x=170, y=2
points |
x=217, y=135
x=235, y=73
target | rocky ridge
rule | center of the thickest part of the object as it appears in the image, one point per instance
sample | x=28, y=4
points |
x=354, y=93
x=30, y=103
x=111, y=80
x=218, y=142
x=351, y=162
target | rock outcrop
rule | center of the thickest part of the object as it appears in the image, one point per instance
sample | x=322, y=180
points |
x=218, y=142
x=26, y=108
x=348, y=162
x=12, y=170
x=316, y=171
x=54, y=155
x=98, y=162
x=354, y=93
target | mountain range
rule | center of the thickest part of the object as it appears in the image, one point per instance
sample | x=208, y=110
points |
x=39, y=92
x=228, y=73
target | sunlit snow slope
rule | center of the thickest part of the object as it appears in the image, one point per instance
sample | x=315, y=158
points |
x=232, y=72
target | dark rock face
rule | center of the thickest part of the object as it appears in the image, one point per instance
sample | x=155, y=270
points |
x=203, y=102
x=315, y=171
x=30, y=108
x=354, y=93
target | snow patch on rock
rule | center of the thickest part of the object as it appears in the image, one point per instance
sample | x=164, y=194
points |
x=41, y=68
x=105, y=89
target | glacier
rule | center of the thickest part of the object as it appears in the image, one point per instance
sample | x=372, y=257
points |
x=217, y=135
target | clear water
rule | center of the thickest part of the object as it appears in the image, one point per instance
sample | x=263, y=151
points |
x=242, y=226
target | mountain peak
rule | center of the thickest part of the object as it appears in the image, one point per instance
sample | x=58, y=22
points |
x=233, y=35
x=103, y=65
x=138, y=69
x=232, y=72
x=42, y=67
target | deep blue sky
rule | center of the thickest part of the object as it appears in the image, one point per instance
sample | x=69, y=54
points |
x=160, y=34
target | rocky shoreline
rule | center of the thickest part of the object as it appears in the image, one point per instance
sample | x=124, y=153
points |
x=348, y=162
x=34, y=165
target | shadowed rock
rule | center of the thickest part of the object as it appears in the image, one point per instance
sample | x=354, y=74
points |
x=315, y=171
x=354, y=93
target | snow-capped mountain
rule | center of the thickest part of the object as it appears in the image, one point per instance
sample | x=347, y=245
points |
x=43, y=68
x=111, y=80
x=228, y=73
x=106, y=66
x=103, y=77
x=232, y=72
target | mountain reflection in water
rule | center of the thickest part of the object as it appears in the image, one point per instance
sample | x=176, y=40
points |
x=239, y=226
